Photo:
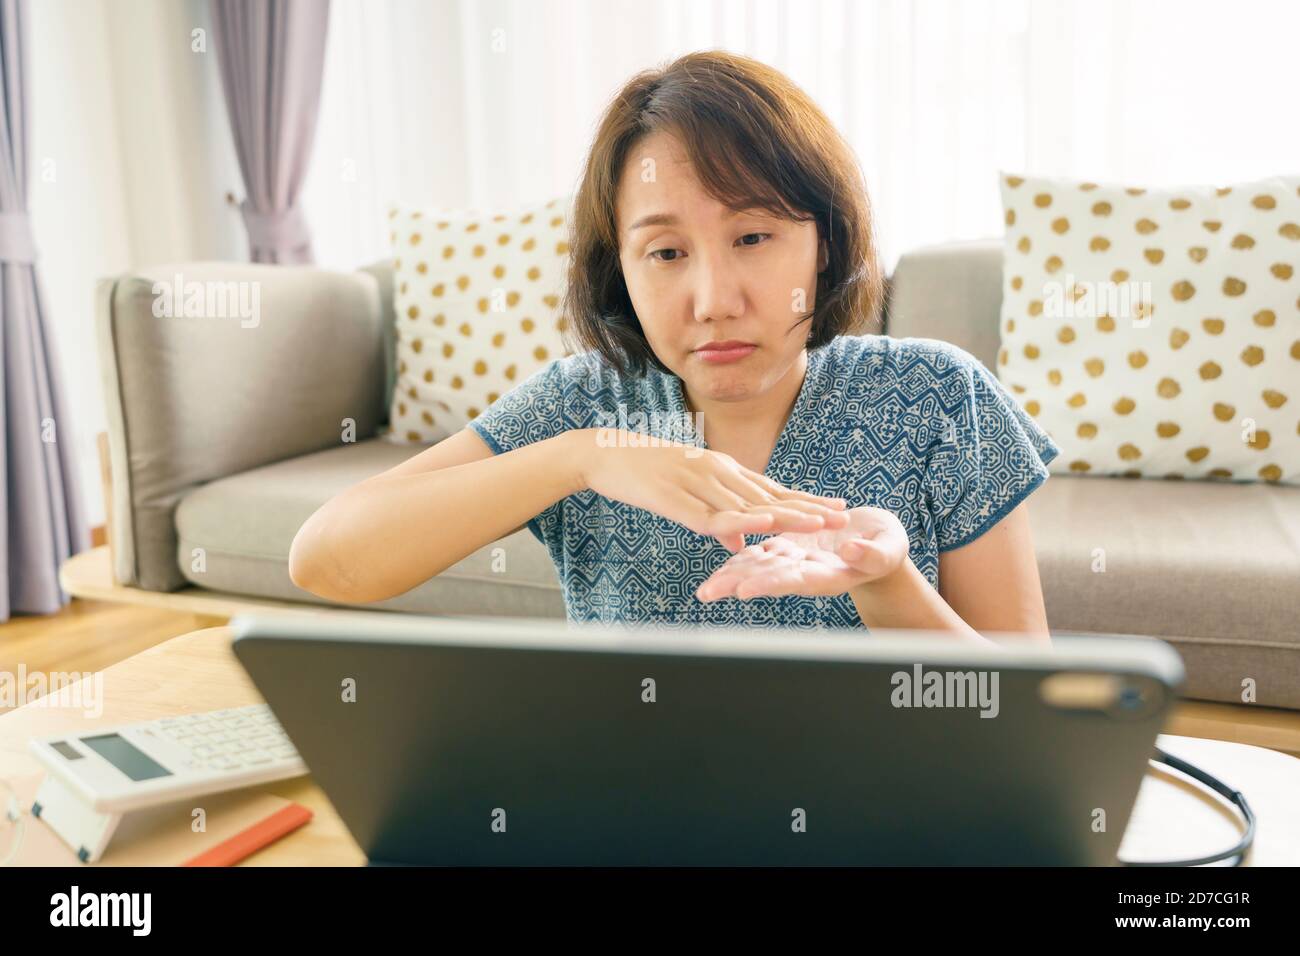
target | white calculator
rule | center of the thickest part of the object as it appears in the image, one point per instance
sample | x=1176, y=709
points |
x=96, y=777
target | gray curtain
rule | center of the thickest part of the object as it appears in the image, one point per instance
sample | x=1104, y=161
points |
x=43, y=516
x=271, y=55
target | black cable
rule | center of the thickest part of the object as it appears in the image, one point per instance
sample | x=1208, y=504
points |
x=1221, y=788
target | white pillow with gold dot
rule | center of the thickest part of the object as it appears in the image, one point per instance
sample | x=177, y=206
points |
x=476, y=297
x=1156, y=332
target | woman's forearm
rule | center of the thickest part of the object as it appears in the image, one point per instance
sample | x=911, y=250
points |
x=384, y=536
x=905, y=599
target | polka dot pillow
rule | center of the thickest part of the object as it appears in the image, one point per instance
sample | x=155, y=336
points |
x=1156, y=332
x=476, y=300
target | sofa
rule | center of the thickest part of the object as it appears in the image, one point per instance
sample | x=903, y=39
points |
x=224, y=436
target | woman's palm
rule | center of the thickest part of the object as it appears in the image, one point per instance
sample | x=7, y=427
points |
x=873, y=544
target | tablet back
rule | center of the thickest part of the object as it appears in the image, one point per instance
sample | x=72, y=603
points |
x=522, y=742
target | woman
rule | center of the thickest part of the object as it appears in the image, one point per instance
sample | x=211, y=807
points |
x=722, y=259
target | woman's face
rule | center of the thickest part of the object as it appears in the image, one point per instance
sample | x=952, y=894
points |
x=699, y=273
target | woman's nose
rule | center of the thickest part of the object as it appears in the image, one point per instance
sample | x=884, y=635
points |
x=719, y=288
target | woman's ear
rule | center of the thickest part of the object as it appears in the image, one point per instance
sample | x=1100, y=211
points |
x=823, y=255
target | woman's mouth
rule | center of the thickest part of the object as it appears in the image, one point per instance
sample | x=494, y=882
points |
x=717, y=353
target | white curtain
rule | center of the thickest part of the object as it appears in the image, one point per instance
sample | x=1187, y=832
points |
x=489, y=103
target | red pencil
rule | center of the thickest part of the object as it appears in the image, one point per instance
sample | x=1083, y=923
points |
x=246, y=842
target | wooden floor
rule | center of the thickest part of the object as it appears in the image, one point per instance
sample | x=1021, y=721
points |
x=88, y=635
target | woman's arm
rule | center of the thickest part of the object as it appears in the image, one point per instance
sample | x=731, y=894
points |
x=904, y=599
x=391, y=532
x=993, y=582
x=384, y=536
x=990, y=585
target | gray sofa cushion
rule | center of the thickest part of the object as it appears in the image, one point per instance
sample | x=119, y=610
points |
x=951, y=292
x=191, y=399
x=245, y=524
x=1214, y=568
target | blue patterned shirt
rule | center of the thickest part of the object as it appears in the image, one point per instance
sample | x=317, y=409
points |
x=917, y=426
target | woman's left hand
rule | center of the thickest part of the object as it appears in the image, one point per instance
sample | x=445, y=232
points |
x=872, y=545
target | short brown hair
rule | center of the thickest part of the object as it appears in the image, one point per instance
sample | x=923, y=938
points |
x=756, y=140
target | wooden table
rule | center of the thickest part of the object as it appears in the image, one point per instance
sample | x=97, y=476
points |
x=198, y=672
x=187, y=674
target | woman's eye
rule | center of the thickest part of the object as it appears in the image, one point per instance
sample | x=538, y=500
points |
x=658, y=254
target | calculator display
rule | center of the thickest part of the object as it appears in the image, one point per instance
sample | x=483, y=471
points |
x=126, y=757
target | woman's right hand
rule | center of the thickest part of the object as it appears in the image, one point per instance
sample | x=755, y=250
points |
x=707, y=491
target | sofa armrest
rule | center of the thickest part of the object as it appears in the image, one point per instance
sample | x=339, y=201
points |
x=247, y=365
x=951, y=292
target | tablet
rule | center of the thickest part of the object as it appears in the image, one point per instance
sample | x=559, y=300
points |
x=545, y=742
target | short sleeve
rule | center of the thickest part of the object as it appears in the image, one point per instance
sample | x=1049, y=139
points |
x=991, y=455
x=532, y=411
